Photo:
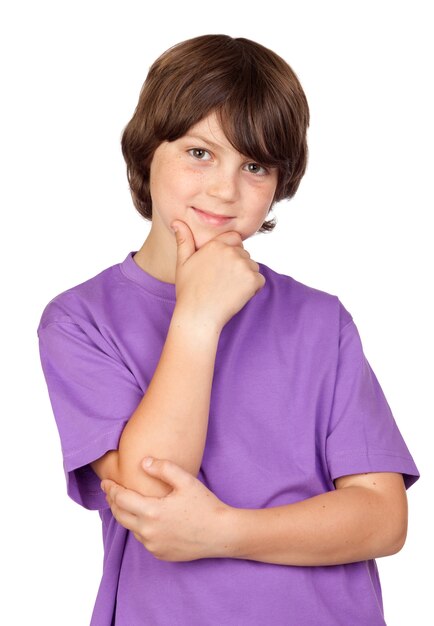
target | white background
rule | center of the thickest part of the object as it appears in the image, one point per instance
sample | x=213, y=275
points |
x=358, y=228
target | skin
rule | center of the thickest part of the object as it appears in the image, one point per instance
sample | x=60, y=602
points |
x=365, y=516
x=202, y=170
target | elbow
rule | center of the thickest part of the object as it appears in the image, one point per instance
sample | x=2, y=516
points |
x=394, y=520
x=396, y=536
x=391, y=547
x=401, y=526
x=398, y=539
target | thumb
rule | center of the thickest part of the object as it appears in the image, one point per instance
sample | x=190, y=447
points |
x=184, y=241
x=169, y=472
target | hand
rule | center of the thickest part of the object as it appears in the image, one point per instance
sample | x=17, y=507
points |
x=185, y=525
x=214, y=282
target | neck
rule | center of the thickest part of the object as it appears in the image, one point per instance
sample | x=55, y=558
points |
x=158, y=261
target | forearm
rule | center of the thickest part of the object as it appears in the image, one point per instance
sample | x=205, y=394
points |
x=171, y=420
x=341, y=526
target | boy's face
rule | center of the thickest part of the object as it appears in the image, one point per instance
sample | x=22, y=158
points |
x=202, y=172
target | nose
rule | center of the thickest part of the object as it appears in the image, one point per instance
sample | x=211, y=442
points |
x=222, y=183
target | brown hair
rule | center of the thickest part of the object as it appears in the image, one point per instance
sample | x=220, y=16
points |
x=260, y=103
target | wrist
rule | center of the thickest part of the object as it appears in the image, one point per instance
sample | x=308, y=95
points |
x=228, y=533
x=194, y=323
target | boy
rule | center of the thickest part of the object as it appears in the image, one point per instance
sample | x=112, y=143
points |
x=279, y=471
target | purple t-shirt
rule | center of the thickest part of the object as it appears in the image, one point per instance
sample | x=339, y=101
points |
x=294, y=405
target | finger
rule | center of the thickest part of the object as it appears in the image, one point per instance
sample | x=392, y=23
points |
x=107, y=485
x=184, y=241
x=230, y=237
x=255, y=266
x=125, y=519
x=169, y=472
x=244, y=253
x=131, y=501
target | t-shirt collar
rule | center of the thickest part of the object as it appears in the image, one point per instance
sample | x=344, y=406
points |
x=153, y=285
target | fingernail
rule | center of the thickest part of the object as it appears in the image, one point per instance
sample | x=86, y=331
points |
x=148, y=461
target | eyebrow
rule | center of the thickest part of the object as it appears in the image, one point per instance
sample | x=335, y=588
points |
x=203, y=140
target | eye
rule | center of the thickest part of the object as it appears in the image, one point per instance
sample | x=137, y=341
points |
x=255, y=168
x=199, y=154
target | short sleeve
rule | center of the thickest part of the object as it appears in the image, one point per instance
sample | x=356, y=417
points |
x=92, y=394
x=363, y=435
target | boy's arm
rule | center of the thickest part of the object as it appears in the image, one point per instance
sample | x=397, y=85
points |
x=364, y=518
x=171, y=421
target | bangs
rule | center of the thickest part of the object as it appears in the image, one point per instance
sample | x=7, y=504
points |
x=256, y=129
x=265, y=114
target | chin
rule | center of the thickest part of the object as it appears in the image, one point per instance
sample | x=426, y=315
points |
x=200, y=239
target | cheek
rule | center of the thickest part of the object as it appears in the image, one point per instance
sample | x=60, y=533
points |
x=163, y=195
x=178, y=186
x=261, y=199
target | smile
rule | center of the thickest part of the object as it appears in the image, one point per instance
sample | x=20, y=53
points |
x=211, y=218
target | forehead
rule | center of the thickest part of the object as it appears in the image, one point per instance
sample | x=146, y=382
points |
x=210, y=129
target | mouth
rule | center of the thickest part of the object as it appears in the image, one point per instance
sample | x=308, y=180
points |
x=212, y=218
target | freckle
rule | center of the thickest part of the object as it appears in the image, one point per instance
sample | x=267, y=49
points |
x=374, y=483
x=323, y=506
